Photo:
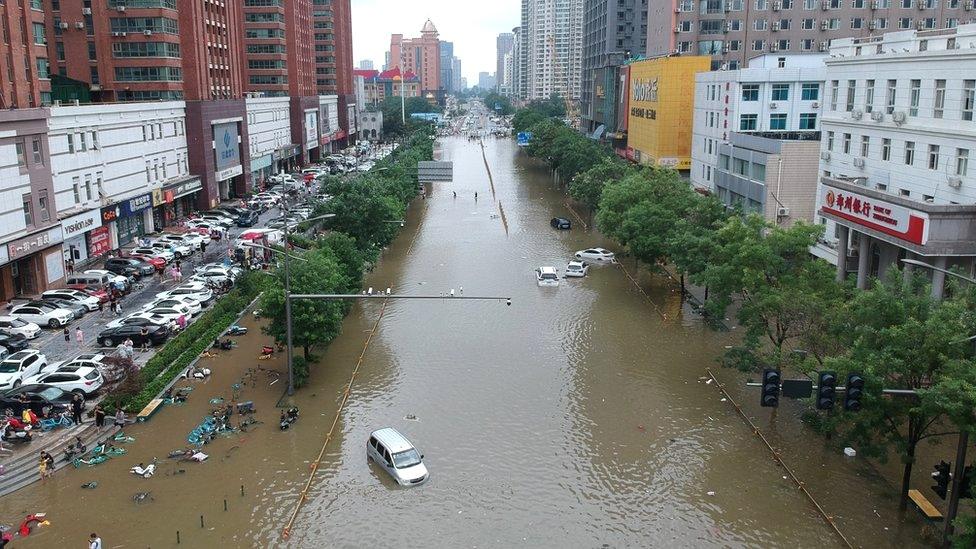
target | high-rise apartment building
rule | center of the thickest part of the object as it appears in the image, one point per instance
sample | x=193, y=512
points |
x=447, y=66
x=366, y=65
x=503, y=46
x=25, y=66
x=456, y=84
x=733, y=31
x=420, y=56
x=332, y=21
x=613, y=31
x=552, y=47
x=517, y=88
x=279, y=61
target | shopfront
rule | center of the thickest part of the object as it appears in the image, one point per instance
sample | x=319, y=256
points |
x=261, y=169
x=33, y=263
x=75, y=232
x=285, y=158
x=174, y=202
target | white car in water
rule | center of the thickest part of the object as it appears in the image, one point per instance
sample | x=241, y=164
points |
x=547, y=276
x=595, y=255
x=576, y=269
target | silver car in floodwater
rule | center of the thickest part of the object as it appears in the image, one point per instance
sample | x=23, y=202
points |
x=397, y=456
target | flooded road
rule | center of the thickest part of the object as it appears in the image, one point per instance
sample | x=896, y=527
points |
x=576, y=417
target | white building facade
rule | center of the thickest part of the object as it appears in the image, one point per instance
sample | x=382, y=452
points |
x=552, y=42
x=898, y=132
x=774, y=94
x=329, y=119
x=118, y=171
x=269, y=135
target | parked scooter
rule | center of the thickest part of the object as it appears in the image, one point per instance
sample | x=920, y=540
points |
x=14, y=434
x=287, y=418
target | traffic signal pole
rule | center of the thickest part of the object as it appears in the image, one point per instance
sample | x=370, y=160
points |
x=957, y=480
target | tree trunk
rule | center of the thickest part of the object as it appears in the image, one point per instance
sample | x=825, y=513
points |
x=706, y=293
x=682, y=274
x=906, y=477
x=305, y=351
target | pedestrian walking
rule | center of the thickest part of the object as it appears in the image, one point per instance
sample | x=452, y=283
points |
x=94, y=542
x=100, y=307
x=111, y=301
x=181, y=321
x=79, y=336
x=70, y=266
x=119, y=417
x=179, y=275
x=117, y=308
x=144, y=332
x=67, y=337
x=455, y=194
x=44, y=464
x=99, y=416
x=203, y=248
x=128, y=347
x=476, y=196
x=77, y=407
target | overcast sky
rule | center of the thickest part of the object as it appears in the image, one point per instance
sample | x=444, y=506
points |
x=472, y=26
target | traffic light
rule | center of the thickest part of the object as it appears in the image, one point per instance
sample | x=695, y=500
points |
x=854, y=392
x=942, y=477
x=826, y=390
x=770, y=388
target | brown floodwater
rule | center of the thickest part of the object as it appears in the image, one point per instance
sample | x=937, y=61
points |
x=576, y=417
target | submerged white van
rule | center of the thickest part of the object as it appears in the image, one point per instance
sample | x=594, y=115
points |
x=397, y=456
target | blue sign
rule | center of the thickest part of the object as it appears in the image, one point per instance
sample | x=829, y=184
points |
x=226, y=150
x=136, y=205
x=523, y=138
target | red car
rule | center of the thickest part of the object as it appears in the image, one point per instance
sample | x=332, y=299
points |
x=94, y=291
x=157, y=262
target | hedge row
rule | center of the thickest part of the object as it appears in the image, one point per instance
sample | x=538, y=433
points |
x=177, y=354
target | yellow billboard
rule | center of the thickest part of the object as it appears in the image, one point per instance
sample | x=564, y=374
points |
x=662, y=101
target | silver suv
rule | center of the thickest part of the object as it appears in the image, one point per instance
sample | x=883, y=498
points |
x=394, y=453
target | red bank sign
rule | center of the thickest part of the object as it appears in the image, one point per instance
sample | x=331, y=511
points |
x=897, y=221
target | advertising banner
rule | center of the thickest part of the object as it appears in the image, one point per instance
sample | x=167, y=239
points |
x=226, y=145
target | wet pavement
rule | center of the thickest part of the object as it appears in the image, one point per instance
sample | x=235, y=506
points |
x=576, y=417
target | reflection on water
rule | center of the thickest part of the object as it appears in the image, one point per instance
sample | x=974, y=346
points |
x=575, y=417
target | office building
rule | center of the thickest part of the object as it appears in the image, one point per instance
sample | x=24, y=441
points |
x=895, y=180
x=486, y=81
x=613, y=32
x=552, y=48
x=366, y=64
x=504, y=43
x=447, y=66
x=279, y=61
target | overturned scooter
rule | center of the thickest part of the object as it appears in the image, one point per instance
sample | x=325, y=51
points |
x=287, y=418
x=144, y=472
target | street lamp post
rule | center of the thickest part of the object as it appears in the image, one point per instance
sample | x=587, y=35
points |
x=953, y=508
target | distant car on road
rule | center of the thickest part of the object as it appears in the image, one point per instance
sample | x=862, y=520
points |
x=165, y=255
x=109, y=371
x=547, y=276
x=560, y=223
x=595, y=255
x=157, y=262
x=77, y=309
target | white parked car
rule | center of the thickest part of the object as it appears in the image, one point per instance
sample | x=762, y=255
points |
x=15, y=326
x=89, y=301
x=50, y=317
x=140, y=319
x=164, y=313
x=208, y=225
x=16, y=368
x=576, y=269
x=83, y=380
x=180, y=244
x=595, y=255
x=191, y=304
x=175, y=306
x=115, y=278
x=196, y=291
x=164, y=253
x=91, y=360
x=547, y=276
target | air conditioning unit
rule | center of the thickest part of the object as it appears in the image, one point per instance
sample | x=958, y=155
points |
x=825, y=156
x=775, y=26
x=877, y=116
x=86, y=11
x=120, y=8
x=968, y=5
x=677, y=9
x=920, y=4
x=147, y=32
x=677, y=28
x=776, y=6
x=79, y=24
x=858, y=162
x=725, y=50
x=955, y=182
x=774, y=47
x=920, y=24
x=825, y=5
x=728, y=6
x=824, y=25
x=875, y=4
x=814, y=105
x=856, y=114
x=782, y=211
x=872, y=25
x=824, y=45
x=728, y=26
x=118, y=34
x=63, y=25
x=773, y=106
x=898, y=117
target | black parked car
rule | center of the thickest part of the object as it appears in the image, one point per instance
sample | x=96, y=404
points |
x=129, y=267
x=38, y=398
x=247, y=218
x=560, y=223
x=13, y=342
x=114, y=336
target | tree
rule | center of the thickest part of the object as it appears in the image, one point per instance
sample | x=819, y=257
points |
x=587, y=187
x=314, y=322
x=901, y=338
x=393, y=118
x=351, y=259
x=525, y=119
x=362, y=210
x=504, y=104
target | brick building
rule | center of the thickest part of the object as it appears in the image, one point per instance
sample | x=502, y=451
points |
x=24, y=65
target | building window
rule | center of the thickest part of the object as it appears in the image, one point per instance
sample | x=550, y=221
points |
x=36, y=150
x=933, y=157
x=847, y=143
x=851, y=87
x=39, y=37
x=758, y=45
x=781, y=92
x=834, y=86
x=28, y=211
x=750, y=92
x=747, y=122
x=88, y=187
x=890, y=96
x=962, y=162
x=968, y=98
x=885, y=149
x=94, y=140
x=869, y=96
x=84, y=141
x=808, y=121
x=830, y=141
x=865, y=146
x=939, y=106
x=916, y=91
x=810, y=91
x=21, y=156
x=76, y=188
x=909, y=153
x=777, y=121
x=759, y=24
x=44, y=203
